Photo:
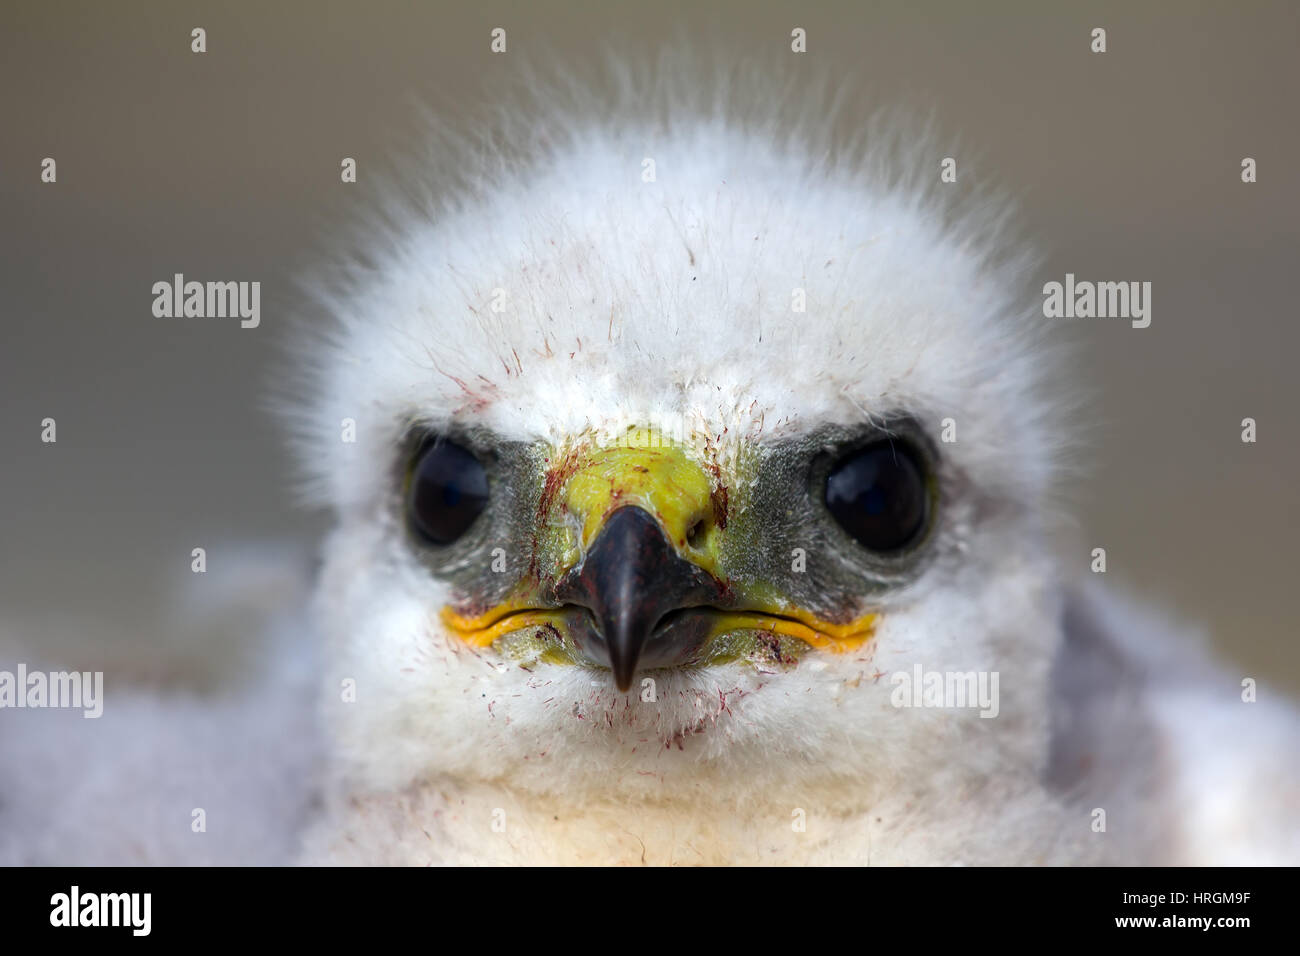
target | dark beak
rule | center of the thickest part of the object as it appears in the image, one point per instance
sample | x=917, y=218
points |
x=631, y=579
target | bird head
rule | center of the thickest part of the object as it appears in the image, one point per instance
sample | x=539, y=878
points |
x=643, y=481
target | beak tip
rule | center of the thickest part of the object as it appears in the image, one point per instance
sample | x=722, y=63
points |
x=623, y=678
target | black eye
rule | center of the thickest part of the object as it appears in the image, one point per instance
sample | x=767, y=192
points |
x=449, y=489
x=878, y=494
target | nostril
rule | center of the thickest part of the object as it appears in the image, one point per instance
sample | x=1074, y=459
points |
x=695, y=537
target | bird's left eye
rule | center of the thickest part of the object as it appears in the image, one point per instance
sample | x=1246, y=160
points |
x=448, y=491
x=879, y=495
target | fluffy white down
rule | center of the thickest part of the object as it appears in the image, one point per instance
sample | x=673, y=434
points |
x=123, y=789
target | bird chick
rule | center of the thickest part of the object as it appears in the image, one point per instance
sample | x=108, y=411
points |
x=651, y=545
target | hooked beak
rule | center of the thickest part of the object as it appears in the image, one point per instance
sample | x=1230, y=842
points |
x=630, y=580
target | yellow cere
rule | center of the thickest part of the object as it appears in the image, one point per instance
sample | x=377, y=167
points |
x=662, y=480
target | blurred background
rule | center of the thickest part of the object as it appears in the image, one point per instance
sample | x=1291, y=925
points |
x=225, y=165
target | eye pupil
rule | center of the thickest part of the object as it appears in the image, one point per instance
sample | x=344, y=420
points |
x=875, y=501
x=449, y=490
x=878, y=495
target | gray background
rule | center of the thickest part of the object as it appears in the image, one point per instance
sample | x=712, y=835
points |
x=225, y=165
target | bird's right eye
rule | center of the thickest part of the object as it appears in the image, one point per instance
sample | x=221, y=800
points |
x=448, y=491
